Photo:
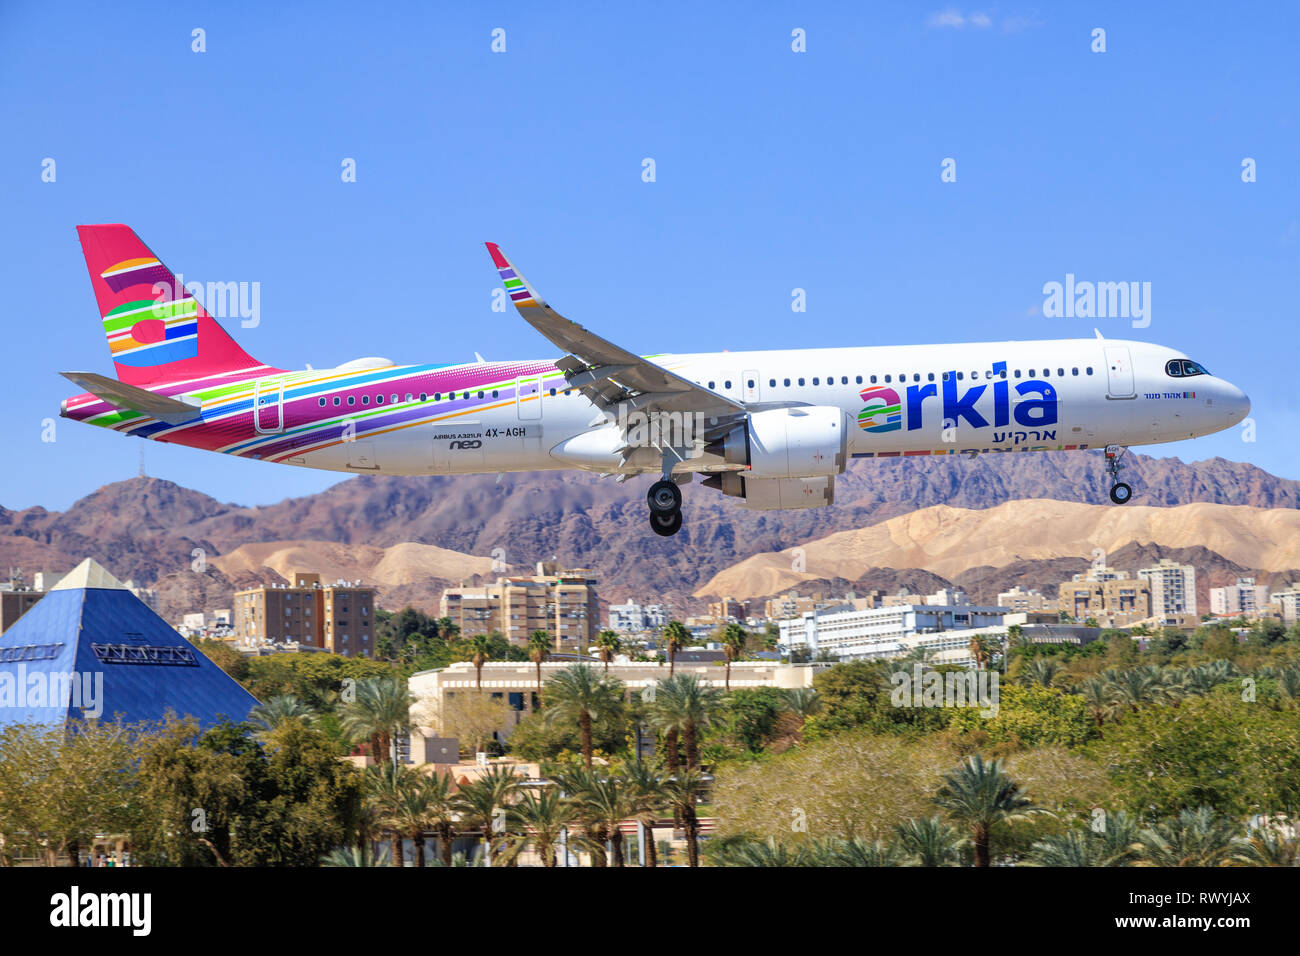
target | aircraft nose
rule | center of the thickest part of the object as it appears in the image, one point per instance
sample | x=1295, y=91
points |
x=1236, y=401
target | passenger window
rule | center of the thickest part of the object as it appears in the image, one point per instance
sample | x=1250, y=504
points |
x=337, y=400
x=1089, y=369
x=437, y=396
x=396, y=398
x=409, y=396
x=787, y=383
x=1074, y=371
x=929, y=377
x=1060, y=373
x=816, y=380
x=711, y=385
x=494, y=393
x=1002, y=374
x=365, y=399
x=424, y=396
x=844, y=380
x=888, y=379
x=379, y=399
x=751, y=383
x=960, y=376
x=727, y=384
x=771, y=383
x=352, y=399
x=322, y=403
x=873, y=380
x=800, y=383
x=859, y=379
x=1017, y=373
x=552, y=391
x=480, y=394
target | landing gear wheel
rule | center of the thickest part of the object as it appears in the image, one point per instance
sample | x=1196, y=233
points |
x=666, y=525
x=665, y=498
x=1120, y=493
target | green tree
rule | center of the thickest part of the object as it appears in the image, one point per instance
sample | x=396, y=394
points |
x=539, y=651
x=979, y=795
x=734, y=637
x=379, y=710
x=683, y=792
x=579, y=695
x=676, y=636
x=609, y=645
x=541, y=818
x=484, y=803
x=930, y=842
x=1199, y=837
x=683, y=706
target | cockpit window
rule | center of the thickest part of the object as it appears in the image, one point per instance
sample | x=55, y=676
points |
x=1181, y=368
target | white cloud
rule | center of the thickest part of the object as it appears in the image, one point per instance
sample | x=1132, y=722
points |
x=954, y=19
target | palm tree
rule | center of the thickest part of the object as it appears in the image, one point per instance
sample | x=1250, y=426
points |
x=541, y=818
x=412, y=811
x=675, y=638
x=1110, y=846
x=860, y=852
x=579, y=694
x=575, y=783
x=482, y=649
x=646, y=781
x=1099, y=698
x=353, y=856
x=276, y=710
x=539, y=650
x=1041, y=670
x=979, y=795
x=442, y=813
x=1193, y=838
x=483, y=803
x=1137, y=686
x=683, y=791
x=384, y=788
x=1269, y=846
x=379, y=712
x=982, y=647
x=733, y=645
x=805, y=701
x=684, y=706
x=929, y=842
x=609, y=645
x=607, y=801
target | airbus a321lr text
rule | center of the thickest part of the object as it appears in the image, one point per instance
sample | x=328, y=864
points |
x=769, y=428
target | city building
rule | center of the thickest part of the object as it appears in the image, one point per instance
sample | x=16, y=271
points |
x=1115, y=600
x=563, y=603
x=632, y=618
x=1243, y=599
x=1287, y=604
x=1173, y=588
x=515, y=685
x=16, y=599
x=729, y=609
x=792, y=605
x=1019, y=599
x=336, y=617
x=893, y=630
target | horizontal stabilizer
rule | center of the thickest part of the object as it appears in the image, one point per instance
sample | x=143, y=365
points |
x=169, y=410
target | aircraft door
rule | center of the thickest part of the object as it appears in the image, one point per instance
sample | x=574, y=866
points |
x=1119, y=372
x=268, y=407
x=528, y=398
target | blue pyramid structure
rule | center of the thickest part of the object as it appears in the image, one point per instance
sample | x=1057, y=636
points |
x=90, y=648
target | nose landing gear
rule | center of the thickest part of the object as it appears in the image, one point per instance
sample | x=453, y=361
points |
x=665, y=500
x=1120, y=492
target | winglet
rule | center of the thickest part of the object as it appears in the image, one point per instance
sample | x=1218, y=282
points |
x=523, y=295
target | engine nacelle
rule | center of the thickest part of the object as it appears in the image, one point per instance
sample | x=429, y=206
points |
x=775, y=494
x=808, y=441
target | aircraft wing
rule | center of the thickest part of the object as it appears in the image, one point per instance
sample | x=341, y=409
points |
x=165, y=409
x=607, y=374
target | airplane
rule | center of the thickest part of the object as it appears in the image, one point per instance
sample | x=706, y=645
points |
x=771, y=428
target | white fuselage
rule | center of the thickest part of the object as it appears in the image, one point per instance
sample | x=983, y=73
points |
x=898, y=400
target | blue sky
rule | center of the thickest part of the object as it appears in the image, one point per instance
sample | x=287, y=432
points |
x=774, y=170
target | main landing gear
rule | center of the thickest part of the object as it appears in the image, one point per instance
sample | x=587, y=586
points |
x=1120, y=492
x=665, y=500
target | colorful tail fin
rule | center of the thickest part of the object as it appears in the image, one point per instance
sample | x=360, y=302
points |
x=157, y=333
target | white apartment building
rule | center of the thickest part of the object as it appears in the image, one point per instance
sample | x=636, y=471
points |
x=1173, y=588
x=1245, y=598
x=632, y=618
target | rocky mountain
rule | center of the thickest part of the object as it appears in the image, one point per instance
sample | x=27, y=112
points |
x=149, y=529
